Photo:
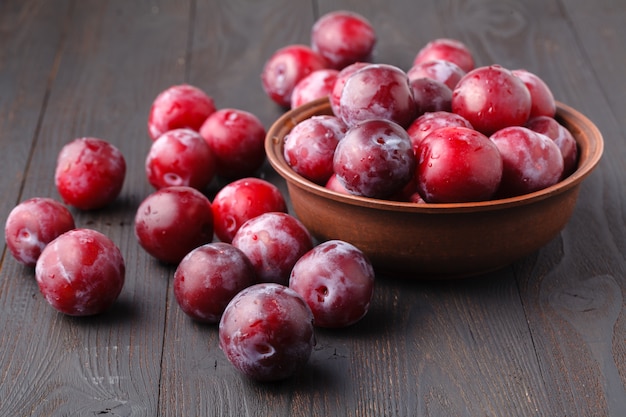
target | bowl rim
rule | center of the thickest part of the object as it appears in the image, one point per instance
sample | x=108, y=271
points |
x=588, y=158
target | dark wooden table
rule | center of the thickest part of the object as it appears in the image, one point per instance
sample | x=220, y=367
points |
x=543, y=337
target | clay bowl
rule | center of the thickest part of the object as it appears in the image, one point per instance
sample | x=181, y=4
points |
x=432, y=241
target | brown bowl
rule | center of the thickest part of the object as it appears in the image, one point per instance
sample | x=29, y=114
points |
x=426, y=241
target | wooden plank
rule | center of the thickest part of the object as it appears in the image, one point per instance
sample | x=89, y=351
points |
x=114, y=59
x=573, y=294
x=30, y=35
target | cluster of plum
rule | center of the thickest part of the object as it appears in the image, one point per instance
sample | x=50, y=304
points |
x=263, y=280
x=444, y=131
x=79, y=271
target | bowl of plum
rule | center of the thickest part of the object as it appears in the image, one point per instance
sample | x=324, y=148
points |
x=449, y=205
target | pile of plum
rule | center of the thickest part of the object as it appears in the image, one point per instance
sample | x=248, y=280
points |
x=241, y=261
x=443, y=131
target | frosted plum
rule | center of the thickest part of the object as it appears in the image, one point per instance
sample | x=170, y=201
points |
x=430, y=96
x=285, y=68
x=439, y=70
x=335, y=185
x=531, y=161
x=541, y=97
x=342, y=77
x=89, y=173
x=447, y=49
x=318, y=84
x=428, y=122
x=34, y=223
x=81, y=272
x=374, y=159
x=273, y=242
x=236, y=138
x=310, y=147
x=377, y=91
x=336, y=280
x=561, y=136
x=207, y=279
x=266, y=332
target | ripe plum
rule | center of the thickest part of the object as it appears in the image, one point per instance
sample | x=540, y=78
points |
x=274, y=242
x=428, y=122
x=561, y=136
x=342, y=77
x=89, y=173
x=180, y=157
x=531, y=161
x=430, y=96
x=242, y=200
x=81, y=272
x=236, y=138
x=374, y=159
x=207, y=279
x=34, y=223
x=172, y=221
x=343, y=38
x=492, y=98
x=377, y=91
x=447, y=49
x=266, y=332
x=336, y=280
x=439, y=70
x=310, y=146
x=285, y=68
x=457, y=164
x=179, y=106
x=317, y=84
x=541, y=97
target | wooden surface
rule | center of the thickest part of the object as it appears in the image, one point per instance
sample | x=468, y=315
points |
x=544, y=337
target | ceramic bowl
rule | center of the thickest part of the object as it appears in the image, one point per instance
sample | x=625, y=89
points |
x=431, y=241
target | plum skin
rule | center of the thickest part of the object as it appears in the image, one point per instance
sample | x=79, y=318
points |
x=343, y=38
x=531, y=161
x=285, y=68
